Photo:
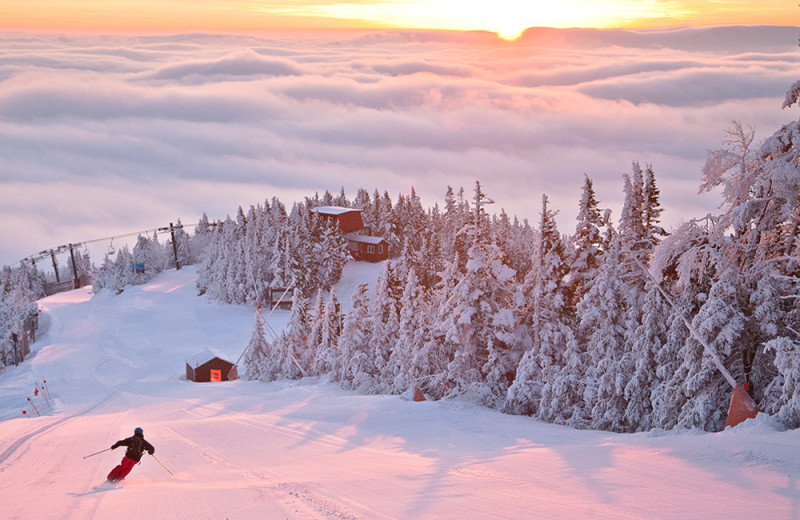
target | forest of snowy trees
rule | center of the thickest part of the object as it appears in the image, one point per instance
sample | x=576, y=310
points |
x=20, y=287
x=565, y=326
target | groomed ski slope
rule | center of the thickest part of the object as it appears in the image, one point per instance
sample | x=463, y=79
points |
x=308, y=450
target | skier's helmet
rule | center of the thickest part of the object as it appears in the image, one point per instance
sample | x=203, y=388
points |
x=138, y=431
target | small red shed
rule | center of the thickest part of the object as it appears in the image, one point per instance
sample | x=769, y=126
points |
x=349, y=219
x=207, y=366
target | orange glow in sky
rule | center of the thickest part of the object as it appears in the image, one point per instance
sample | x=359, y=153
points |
x=508, y=18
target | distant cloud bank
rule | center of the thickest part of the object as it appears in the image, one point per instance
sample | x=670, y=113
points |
x=106, y=135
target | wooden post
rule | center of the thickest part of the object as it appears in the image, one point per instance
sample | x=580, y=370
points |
x=55, y=266
x=76, y=281
x=174, y=246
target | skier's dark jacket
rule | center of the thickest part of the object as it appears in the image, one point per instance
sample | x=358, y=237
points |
x=136, y=445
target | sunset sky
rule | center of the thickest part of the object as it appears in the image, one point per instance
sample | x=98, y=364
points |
x=506, y=17
x=120, y=116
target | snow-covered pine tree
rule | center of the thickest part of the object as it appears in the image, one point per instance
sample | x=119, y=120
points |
x=102, y=277
x=428, y=262
x=481, y=326
x=651, y=209
x=20, y=287
x=602, y=315
x=260, y=360
x=308, y=356
x=518, y=242
x=327, y=360
x=292, y=343
x=123, y=269
x=385, y=223
x=450, y=224
x=786, y=403
x=548, y=320
x=332, y=255
x=686, y=266
x=143, y=262
x=649, y=339
x=569, y=386
x=766, y=218
x=364, y=202
x=407, y=361
x=722, y=324
x=385, y=329
x=586, y=243
x=355, y=365
x=201, y=239
x=440, y=346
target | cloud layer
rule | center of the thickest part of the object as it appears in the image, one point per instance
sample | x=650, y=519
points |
x=107, y=135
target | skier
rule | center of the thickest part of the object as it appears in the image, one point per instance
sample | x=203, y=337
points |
x=136, y=445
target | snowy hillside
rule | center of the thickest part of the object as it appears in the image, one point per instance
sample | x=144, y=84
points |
x=309, y=450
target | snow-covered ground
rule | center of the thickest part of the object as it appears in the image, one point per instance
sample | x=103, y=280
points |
x=309, y=450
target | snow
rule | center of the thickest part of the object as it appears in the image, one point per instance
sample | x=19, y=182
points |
x=309, y=450
x=204, y=356
x=333, y=210
x=364, y=239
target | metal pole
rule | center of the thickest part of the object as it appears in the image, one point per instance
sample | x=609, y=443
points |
x=162, y=464
x=98, y=453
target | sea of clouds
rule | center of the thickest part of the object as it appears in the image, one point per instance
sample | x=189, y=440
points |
x=105, y=135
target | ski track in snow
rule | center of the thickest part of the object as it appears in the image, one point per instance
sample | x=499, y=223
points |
x=58, y=422
x=273, y=486
x=308, y=450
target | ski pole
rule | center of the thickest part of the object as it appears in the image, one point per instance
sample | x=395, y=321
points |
x=162, y=464
x=98, y=453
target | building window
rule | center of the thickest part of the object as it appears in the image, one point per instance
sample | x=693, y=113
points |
x=380, y=249
x=371, y=249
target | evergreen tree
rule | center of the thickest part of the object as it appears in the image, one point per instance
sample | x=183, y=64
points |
x=385, y=329
x=406, y=361
x=293, y=340
x=481, y=327
x=260, y=361
x=587, y=243
x=353, y=368
x=316, y=322
x=721, y=323
x=649, y=339
x=441, y=346
x=603, y=315
x=327, y=360
x=549, y=320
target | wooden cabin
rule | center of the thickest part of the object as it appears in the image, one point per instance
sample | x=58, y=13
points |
x=367, y=248
x=207, y=366
x=362, y=247
x=348, y=219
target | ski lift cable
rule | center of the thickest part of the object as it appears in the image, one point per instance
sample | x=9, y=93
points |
x=66, y=247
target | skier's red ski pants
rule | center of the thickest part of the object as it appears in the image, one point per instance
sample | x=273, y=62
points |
x=121, y=471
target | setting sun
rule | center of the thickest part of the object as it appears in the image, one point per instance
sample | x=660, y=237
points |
x=507, y=18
